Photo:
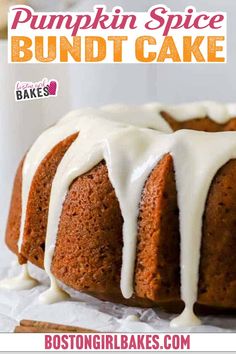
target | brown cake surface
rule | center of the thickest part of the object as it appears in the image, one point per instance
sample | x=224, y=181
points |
x=88, y=250
x=217, y=281
x=37, y=207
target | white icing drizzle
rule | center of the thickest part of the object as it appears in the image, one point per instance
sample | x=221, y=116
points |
x=218, y=112
x=54, y=293
x=68, y=125
x=130, y=154
x=99, y=139
x=65, y=127
x=197, y=158
x=21, y=282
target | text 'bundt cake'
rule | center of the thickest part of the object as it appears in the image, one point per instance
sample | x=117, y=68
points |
x=134, y=205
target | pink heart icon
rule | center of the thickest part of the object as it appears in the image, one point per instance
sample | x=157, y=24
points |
x=52, y=88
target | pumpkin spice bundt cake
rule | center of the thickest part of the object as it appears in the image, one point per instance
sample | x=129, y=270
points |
x=133, y=205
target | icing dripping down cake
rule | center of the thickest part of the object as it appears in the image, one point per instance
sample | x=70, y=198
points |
x=134, y=205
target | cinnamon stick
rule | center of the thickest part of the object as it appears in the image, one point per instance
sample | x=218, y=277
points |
x=22, y=329
x=30, y=326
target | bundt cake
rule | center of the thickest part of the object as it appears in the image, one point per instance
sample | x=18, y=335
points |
x=133, y=205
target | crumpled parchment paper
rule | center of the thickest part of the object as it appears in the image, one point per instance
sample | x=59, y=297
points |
x=85, y=311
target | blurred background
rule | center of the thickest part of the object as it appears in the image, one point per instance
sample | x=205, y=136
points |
x=93, y=85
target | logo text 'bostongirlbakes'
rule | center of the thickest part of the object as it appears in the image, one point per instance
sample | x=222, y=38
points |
x=158, y=36
x=25, y=91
